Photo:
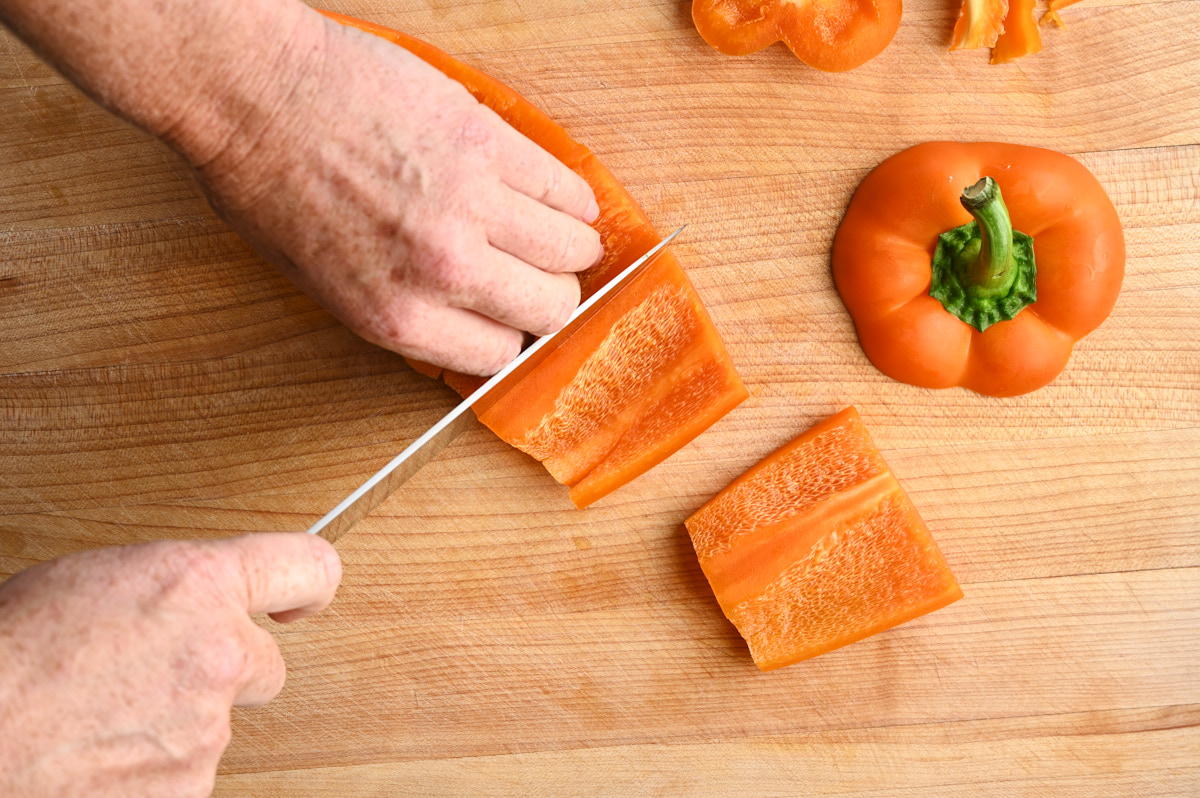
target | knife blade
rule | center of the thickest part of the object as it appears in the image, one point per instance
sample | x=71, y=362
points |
x=384, y=482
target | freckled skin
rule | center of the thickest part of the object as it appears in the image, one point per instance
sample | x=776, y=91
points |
x=119, y=666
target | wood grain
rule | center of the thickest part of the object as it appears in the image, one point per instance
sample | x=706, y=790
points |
x=1075, y=756
x=158, y=380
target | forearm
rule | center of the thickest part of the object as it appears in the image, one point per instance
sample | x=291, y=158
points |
x=204, y=75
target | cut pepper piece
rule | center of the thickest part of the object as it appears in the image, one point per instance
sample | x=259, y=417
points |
x=643, y=376
x=979, y=24
x=1021, y=36
x=818, y=546
x=830, y=35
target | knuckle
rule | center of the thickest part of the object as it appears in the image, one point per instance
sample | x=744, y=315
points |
x=278, y=675
x=272, y=672
x=221, y=660
x=569, y=251
x=395, y=326
x=473, y=132
x=180, y=568
x=217, y=733
x=445, y=267
x=209, y=738
x=595, y=247
x=553, y=181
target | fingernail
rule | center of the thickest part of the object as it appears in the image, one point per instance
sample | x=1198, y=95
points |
x=593, y=211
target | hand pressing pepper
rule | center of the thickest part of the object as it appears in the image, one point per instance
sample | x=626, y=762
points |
x=833, y=36
x=378, y=185
x=988, y=287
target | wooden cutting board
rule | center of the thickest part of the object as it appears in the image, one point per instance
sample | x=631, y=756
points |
x=158, y=380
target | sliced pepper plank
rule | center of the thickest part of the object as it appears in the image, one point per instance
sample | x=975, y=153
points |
x=818, y=546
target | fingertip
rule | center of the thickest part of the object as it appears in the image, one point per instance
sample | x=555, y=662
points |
x=592, y=212
x=330, y=559
x=508, y=347
x=598, y=255
x=285, y=574
x=327, y=570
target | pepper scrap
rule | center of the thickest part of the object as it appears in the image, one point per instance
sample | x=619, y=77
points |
x=1052, y=10
x=1009, y=28
x=1020, y=37
x=639, y=379
x=888, y=268
x=979, y=24
x=818, y=546
x=830, y=35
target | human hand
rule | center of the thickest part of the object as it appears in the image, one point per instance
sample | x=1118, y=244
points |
x=118, y=666
x=410, y=211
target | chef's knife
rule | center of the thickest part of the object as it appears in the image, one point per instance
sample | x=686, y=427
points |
x=373, y=492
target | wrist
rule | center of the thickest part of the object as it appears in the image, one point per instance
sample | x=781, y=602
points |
x=203, y=75
x=270, y=52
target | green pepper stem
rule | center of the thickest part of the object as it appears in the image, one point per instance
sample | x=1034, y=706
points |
x=988, y=271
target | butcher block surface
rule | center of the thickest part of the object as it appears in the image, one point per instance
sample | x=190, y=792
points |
x=157, y=379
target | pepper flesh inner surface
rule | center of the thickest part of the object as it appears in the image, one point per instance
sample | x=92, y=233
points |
x=818, y=546
x=979, y=24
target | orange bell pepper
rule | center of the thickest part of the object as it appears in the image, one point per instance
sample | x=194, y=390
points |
x=643, y=376
x=831, y=35
x=818, y=546
x=940, y=300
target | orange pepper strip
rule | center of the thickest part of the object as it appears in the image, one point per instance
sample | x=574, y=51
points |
x=830, y=35
x=818, y=546
x=1021, y=35
x=979, y=24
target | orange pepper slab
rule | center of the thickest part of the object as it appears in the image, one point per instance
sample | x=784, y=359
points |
x=830, y=35
x=642, y=377
x=887, y=247
x=818, y=546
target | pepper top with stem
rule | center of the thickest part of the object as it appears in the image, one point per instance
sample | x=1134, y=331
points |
x=984, y=271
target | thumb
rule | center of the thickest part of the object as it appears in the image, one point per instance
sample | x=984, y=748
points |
x=287, y=574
